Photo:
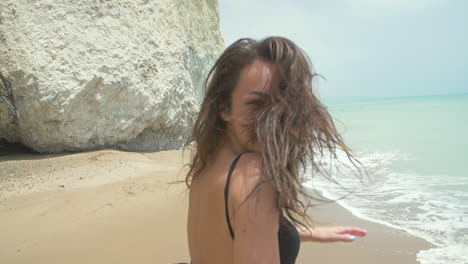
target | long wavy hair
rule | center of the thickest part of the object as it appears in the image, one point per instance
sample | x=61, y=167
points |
x=293, y=125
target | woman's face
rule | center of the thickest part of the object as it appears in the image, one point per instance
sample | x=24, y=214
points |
x=255, y=81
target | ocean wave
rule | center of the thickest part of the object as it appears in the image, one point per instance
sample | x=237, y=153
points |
x=433, y=207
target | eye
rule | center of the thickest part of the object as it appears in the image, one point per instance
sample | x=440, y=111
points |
x=254, y=102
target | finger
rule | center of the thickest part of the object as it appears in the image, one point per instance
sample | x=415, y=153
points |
x=353, y=231
x=342, y=238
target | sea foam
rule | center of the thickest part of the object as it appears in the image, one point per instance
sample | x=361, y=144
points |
x=432, y=207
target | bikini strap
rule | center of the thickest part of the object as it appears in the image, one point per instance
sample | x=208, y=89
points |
x=226, y=193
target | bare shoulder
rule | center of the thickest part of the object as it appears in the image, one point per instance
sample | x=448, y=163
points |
x=247, y=176
x=255, y=217
x=250, y=164
x=249, y=189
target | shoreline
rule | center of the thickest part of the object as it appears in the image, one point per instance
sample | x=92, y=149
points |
x=383, y=244
x=113, y=206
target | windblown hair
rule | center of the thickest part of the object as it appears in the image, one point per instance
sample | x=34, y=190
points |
x=292, y=124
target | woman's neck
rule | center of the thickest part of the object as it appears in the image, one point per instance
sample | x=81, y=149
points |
x=232, y=144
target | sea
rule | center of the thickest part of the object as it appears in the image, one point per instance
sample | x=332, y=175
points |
x=415, y=154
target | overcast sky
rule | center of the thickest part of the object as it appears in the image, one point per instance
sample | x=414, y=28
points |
x=366, y=48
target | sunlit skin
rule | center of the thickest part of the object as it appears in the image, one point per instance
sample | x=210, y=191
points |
x=255, y=81
x=256, y=222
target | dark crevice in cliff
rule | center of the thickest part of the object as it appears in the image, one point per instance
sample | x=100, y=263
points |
x=9, y=119
x=7, y=148
x=5, y=86
x=6, y=94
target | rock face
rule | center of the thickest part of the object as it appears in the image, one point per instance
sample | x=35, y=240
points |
x=127, y=74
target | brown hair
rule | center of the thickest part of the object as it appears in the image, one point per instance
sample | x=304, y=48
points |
x=291, y=122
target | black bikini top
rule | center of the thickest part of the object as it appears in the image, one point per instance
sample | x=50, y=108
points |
x=288, y=238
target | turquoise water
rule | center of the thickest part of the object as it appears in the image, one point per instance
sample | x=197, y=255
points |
x=416, y=152
x=432, y=129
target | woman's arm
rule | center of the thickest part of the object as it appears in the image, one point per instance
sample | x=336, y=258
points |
x=330, y=233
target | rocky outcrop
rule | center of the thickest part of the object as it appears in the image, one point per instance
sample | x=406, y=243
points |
x=127, y=74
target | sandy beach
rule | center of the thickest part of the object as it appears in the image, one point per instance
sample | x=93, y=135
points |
x=111, y=206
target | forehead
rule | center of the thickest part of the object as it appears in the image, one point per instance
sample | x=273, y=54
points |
x=258, y=76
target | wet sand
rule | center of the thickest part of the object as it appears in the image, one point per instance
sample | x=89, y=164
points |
x=117, y=207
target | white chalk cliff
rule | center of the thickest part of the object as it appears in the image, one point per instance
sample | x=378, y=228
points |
x=88, y=74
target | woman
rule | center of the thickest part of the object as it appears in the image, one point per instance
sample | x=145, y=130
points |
x=258, y=125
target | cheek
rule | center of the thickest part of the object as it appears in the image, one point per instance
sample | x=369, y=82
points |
x=240, y=123
x=244, y=129
x=241, y=114
x=245, y=117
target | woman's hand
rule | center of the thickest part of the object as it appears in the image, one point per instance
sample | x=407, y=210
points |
x=330, y=233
